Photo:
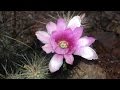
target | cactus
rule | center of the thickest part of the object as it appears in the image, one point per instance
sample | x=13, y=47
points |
x=33, y=67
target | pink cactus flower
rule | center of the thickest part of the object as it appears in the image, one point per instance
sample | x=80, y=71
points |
x=64, y=39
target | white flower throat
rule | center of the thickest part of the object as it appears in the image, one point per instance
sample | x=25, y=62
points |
x=63, y=44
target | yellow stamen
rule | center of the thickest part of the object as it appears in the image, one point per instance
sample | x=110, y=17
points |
x=63, y=44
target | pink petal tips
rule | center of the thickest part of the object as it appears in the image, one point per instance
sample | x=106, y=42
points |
x=47, y=48
x=87, y=53
x=69, y=59
x=51, y=27
x=55, y=63
x=74, y=22
x=43, y=36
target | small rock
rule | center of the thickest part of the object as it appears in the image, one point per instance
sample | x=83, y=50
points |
x=118, y=29
x=116, y=52
x=108, y=39
x=87, y=71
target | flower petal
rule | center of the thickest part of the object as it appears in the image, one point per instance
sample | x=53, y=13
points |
x=78, y=32
x=86, y=52
x=59, y=50
x=74, y=22
x=47, y=48
x=43, y=36
x=55, y=63
x=69, y=59
x=53, y=43
x=61, y=24
x=85, y=41
x=51, y=27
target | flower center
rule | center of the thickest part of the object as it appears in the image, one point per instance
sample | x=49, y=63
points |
x=63, y=44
